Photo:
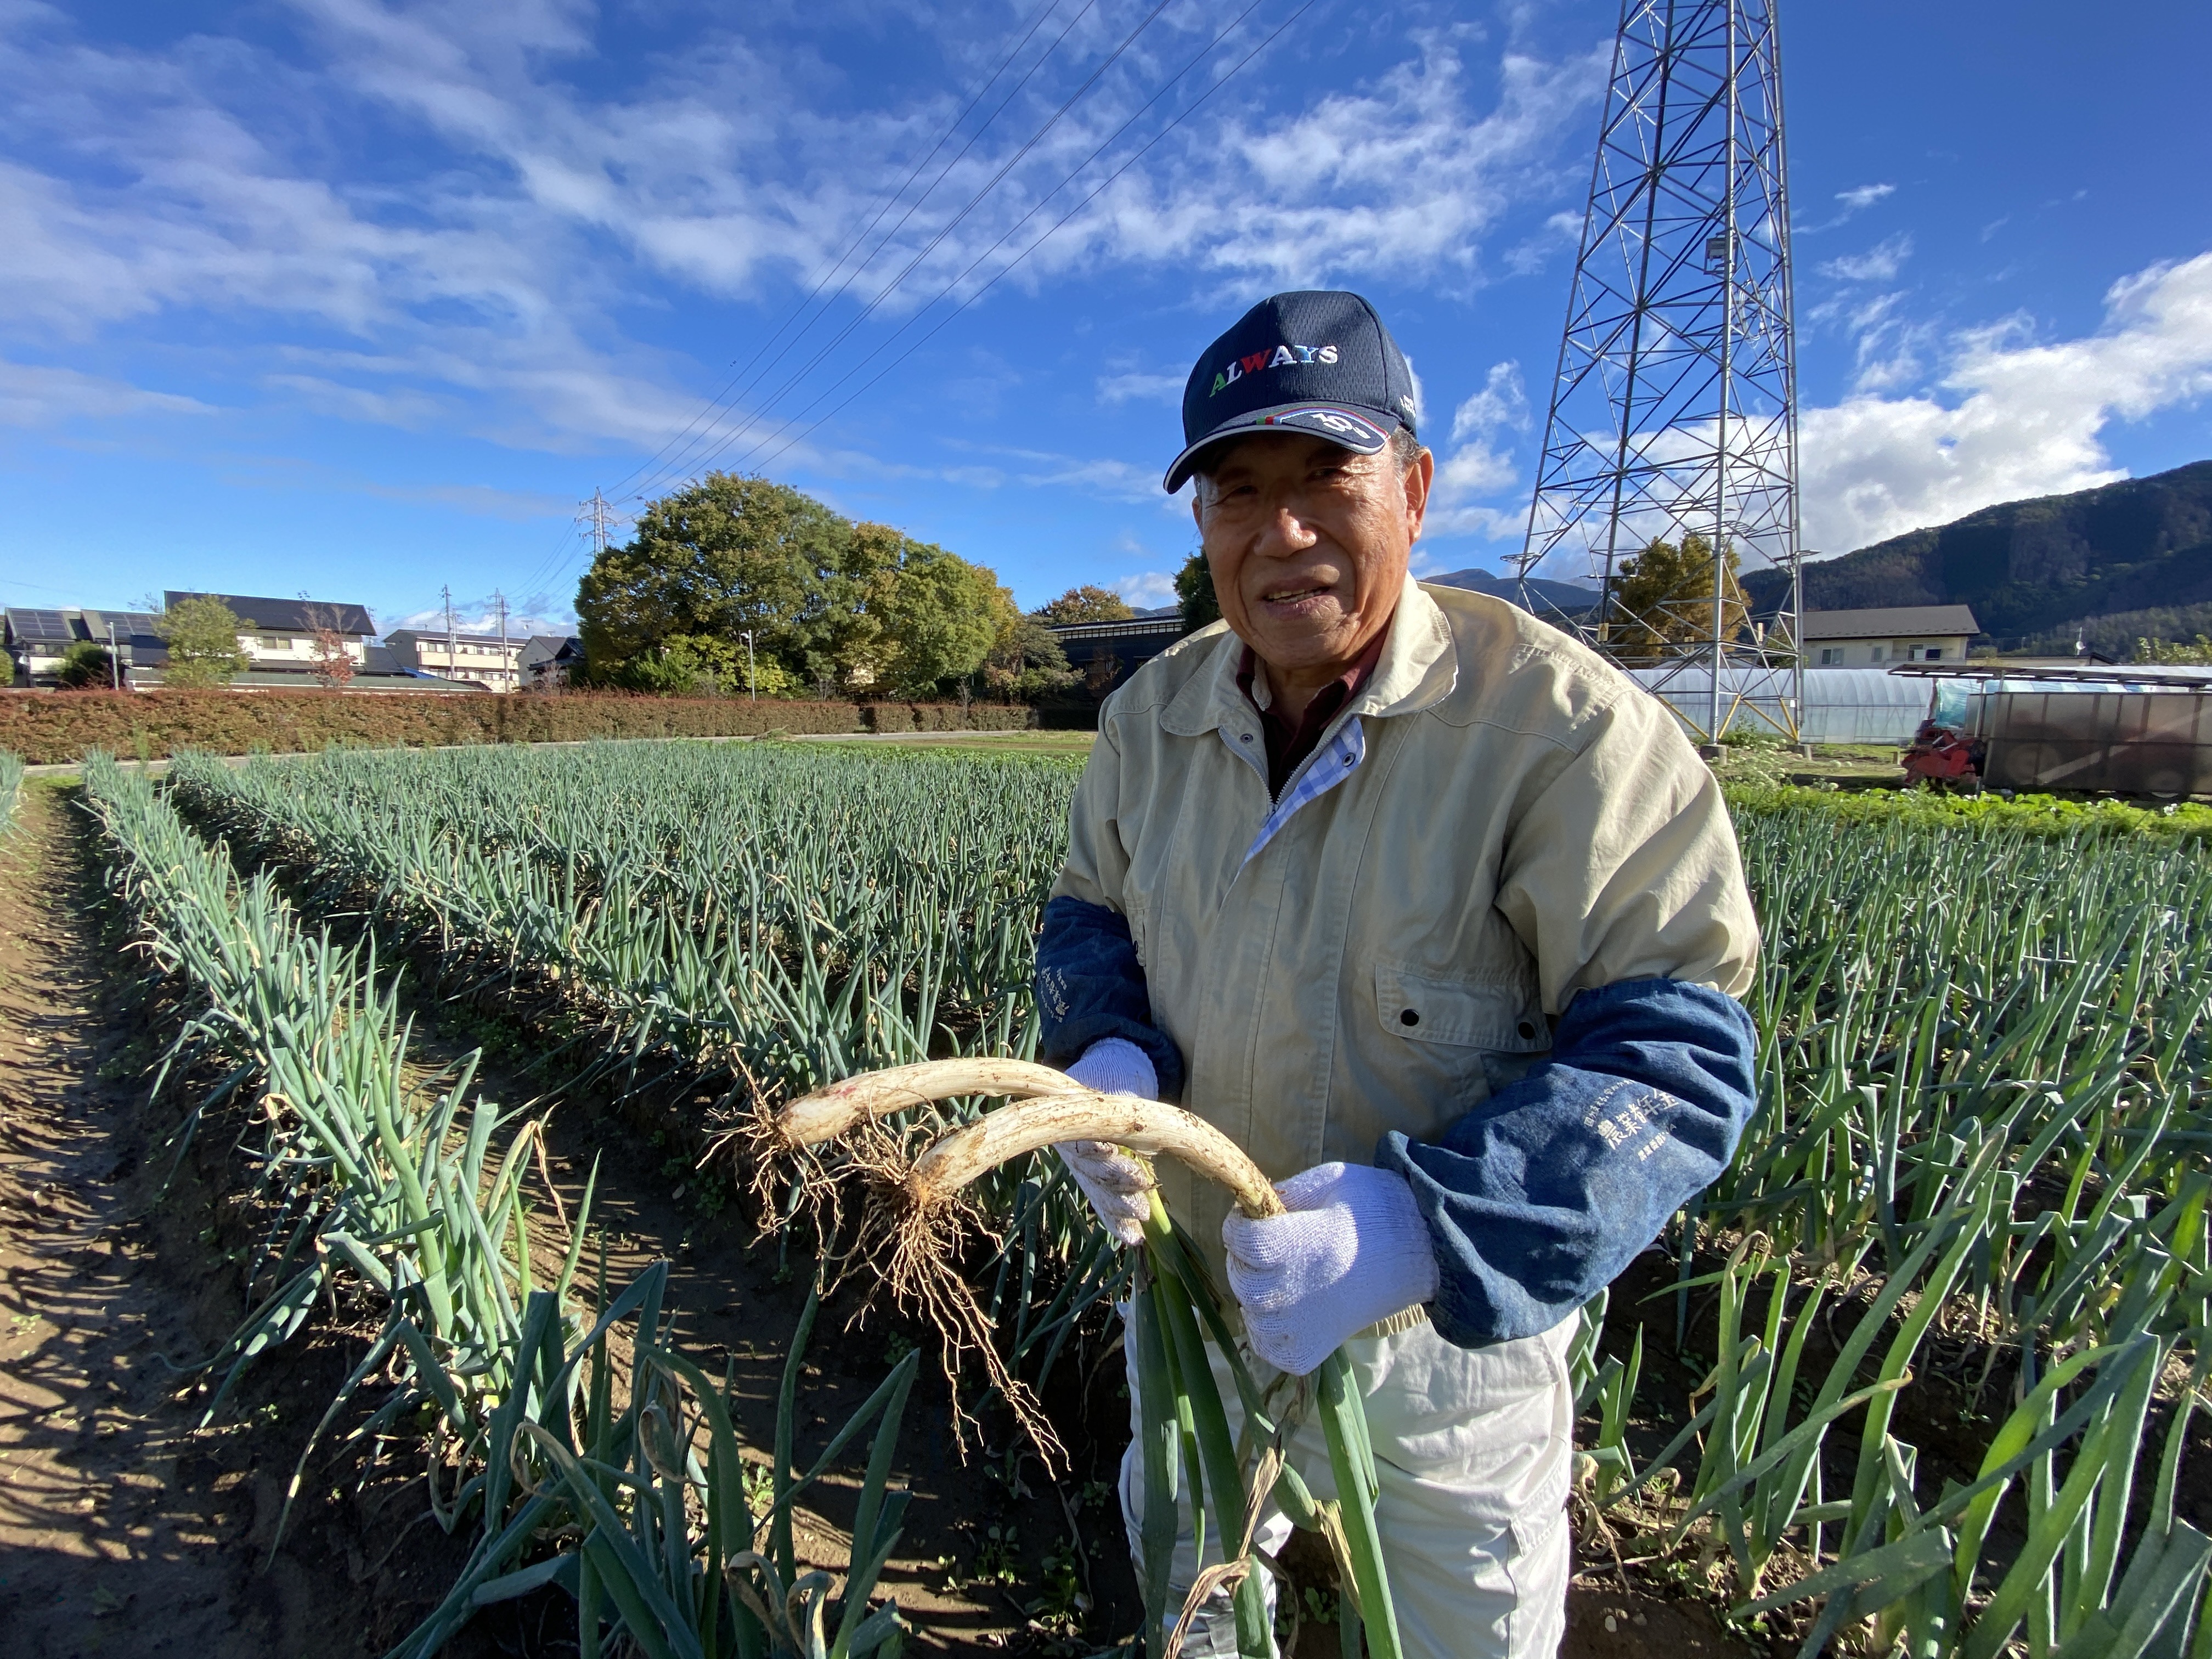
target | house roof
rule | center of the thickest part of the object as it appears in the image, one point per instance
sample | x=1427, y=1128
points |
x=1895, y=622
x=1131, y=627
x=55, y=630
x=26, y=624
x=288, y=615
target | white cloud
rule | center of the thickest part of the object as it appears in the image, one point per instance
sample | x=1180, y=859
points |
x=1879, y=264
x=480, y=500
x=1850, y=203
x=1477, y=465
x=37, y=395
x=1863, y=196
x=1502, y=402
x=2024, y=419
x=438, y=219
x=1141, y=387
x=480, y=617
x=1147, y=589
x=1119, y=480
x=1401, y=177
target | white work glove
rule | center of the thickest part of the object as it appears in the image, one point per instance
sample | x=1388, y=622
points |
x=1352, y=1249
x=1118, y=1187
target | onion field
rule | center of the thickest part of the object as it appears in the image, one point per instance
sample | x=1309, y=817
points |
x=1932, y=1346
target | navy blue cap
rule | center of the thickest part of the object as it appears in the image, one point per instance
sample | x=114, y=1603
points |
x=1318, y=362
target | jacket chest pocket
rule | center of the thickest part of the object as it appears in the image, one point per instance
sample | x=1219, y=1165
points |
x=1498, y=1016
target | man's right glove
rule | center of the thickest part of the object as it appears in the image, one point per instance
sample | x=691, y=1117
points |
x=1352, y=1248
x=1118, y=1187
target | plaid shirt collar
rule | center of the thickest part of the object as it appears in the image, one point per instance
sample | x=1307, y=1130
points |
x=1290, y=742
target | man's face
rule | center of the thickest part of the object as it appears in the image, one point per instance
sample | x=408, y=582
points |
x=1308, y=544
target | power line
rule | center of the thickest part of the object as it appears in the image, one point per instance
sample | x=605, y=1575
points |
x=974, y=202
x=1137, y=155
x=723, y=392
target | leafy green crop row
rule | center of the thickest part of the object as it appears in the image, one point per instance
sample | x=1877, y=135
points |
x=622, y=1485
x=2035, y=814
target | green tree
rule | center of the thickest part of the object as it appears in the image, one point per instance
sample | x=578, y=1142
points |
x=1086, y=604
x=202, y=635
x=2173, y=651
x=1025, y=663
x=86, y=666
x=936, y=610
x=1664, y=600
x=844, y=637
x=1201, y=607
x=727, y=556
x=681, y=666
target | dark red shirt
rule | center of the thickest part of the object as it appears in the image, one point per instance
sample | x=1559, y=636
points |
x=1290, y=742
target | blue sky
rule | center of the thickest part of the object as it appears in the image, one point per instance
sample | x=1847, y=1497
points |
x=363, y=298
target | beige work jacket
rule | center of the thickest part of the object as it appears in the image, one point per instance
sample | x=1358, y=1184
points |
x=1498, y=820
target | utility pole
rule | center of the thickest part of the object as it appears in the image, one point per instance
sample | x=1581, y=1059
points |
x=114, y=662
x=447, y=593
x=501, y=598
x=752, y=687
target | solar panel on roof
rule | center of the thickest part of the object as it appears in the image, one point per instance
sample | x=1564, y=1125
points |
x=40, y=624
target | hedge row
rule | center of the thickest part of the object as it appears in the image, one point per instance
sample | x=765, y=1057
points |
x=44, y=727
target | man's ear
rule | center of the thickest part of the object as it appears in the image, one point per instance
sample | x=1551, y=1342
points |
x=1197, y=508
x=1420, y=477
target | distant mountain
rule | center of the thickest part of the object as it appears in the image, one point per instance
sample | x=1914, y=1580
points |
x=1570, y=597
x=2121, y=561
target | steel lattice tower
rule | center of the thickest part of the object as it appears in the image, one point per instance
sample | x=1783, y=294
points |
x=1674, y=410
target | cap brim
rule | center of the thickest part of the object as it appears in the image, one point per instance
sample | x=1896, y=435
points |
x=1365, y=431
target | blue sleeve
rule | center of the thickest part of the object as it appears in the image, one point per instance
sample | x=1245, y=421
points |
x=1544, y=1193
x=1091, y=986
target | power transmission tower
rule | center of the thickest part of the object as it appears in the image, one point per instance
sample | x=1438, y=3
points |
x=601, y=513
x=1673, y=411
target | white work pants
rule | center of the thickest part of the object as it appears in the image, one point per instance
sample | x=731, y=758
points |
x=1473, y=1448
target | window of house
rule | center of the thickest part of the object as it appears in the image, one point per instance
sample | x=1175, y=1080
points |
x=1935, y=654
x=1830, y=655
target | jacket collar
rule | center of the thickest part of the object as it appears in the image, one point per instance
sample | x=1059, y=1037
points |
x=1418, y=669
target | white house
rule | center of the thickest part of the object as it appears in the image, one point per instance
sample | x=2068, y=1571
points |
x=279, y=637
x=1891, y=634
x=486, y=660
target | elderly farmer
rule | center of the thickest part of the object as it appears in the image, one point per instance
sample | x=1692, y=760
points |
x=1439, y=917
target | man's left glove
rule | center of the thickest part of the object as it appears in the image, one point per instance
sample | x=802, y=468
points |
x=1352, y=1249
x=1119, y=1187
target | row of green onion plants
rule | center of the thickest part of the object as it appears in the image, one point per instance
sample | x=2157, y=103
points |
x=750, y=921
x=574, y=1442
x=1985, y=1120
x=11, y=787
